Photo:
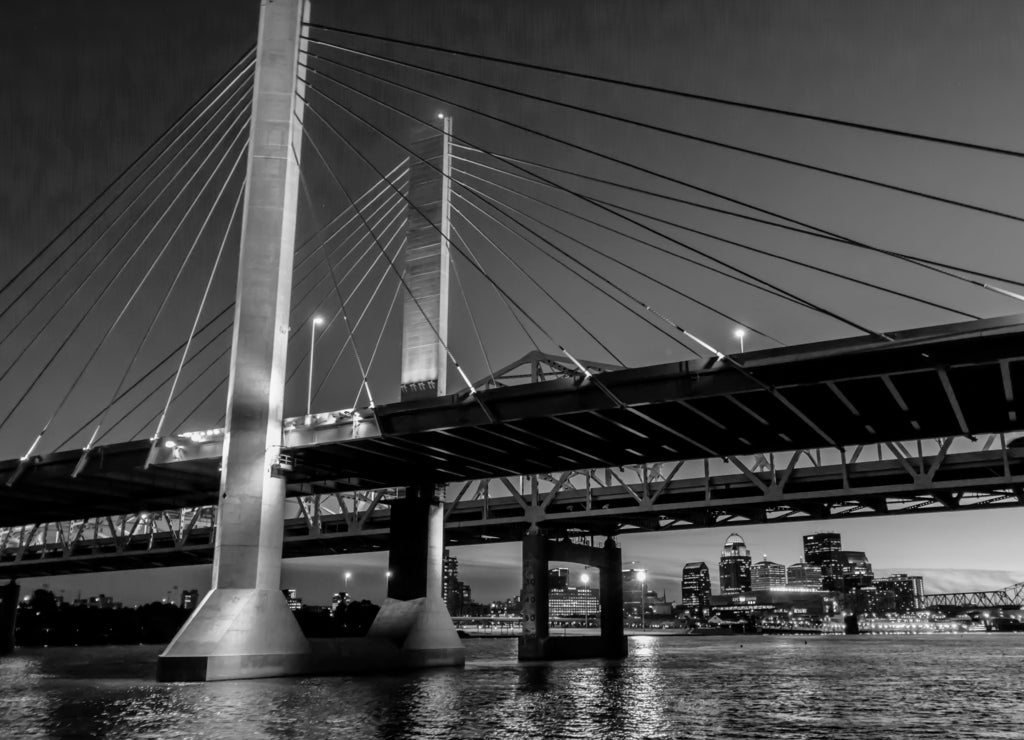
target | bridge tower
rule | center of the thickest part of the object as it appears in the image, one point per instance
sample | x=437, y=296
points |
x=414, y=616
x=243, y=628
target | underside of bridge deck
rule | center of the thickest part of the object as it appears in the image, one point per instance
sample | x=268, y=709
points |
x=960, y=379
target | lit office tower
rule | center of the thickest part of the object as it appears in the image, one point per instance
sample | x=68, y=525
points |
x=558, y=578
x=634, y=585
x=803, y=575
x=449, y=575
x=855, y=570
x=696, y=589
x=766, y=575
x=734, y=566
x=822, y=549
x=900, y=592
x=453, y=591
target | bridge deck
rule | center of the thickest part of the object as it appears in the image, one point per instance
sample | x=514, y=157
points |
x=959, y=379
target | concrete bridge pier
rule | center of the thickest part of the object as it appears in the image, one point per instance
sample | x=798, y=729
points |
x=414, y=617
x=8, y=615
x=536, y=642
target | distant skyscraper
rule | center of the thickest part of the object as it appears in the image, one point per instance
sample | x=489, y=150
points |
x=455, y=593
x=189, y=598
x=571, y=601
x=558, y=578
x=766, y=575
x=633, y=589
x=734, y=566
x=854, y=569
x=821, y=549
x=696, y=589
x=900, y=592
x=803, y=575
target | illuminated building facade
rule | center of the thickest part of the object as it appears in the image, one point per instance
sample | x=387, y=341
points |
x=766, y=575
x=734, y=566
x=574, y=601
x=696, y=589
x=804, y=575
x=900, y=592
x=633, y=588
x=822, y=549
x=855, y=570
x=456, y=594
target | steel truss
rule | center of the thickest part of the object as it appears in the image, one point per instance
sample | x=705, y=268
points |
x=1011, y=597
x=947, y=474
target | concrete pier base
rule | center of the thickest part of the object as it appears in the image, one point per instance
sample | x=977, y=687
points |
x=414, y=617
x=8, y=615
x=421, y=630
x=237, y=633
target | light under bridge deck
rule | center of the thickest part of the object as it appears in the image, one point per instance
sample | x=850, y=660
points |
x=959, y=379
x=790, y=487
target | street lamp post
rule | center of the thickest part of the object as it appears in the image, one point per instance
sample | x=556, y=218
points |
x=642, y=577
x=739, y=334
x=312, y=346
x=348, y=575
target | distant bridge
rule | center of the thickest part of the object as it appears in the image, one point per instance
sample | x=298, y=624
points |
x=1011, y=597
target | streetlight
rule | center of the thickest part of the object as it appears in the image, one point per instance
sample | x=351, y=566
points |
x=348, y=575
x=642, y=577
x=317, y=320
x=585, y=579
x=739, y=334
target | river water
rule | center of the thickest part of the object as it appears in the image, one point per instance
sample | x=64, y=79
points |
x=934, y=686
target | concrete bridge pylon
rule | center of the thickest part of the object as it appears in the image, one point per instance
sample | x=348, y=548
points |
x=243, y=628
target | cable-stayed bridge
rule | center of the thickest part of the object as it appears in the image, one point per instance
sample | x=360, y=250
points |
x=123, y=340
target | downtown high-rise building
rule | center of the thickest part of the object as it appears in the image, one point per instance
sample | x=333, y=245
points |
x=822, y=549
x=854, y=569
x=696, y=589
x=558, y=578
x=766, y=575
x=734, y=566
x=456, y=595
x=803, y=575
x=900, y=592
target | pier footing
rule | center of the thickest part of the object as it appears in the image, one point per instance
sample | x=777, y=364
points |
x=236, y=633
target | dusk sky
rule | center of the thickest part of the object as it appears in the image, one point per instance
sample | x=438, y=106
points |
x=87, y=86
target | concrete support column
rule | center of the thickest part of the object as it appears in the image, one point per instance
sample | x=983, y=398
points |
x=243, y=628
x=534, y=597
x=409, y=556
x=612, y=633
x=414, y=617
x=8, y=615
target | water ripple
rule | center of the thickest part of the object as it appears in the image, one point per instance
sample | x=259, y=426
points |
x=935, y=686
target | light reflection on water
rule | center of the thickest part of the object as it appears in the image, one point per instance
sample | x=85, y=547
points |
x=936, y=686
